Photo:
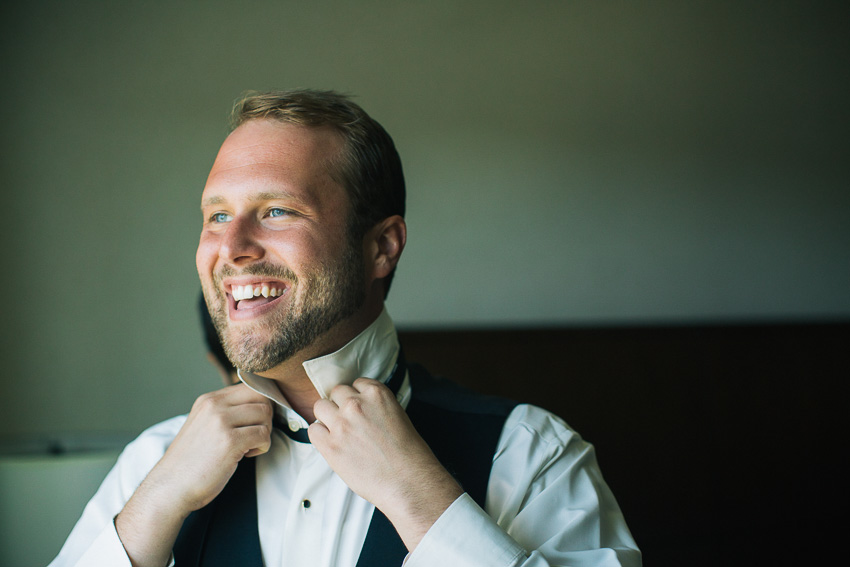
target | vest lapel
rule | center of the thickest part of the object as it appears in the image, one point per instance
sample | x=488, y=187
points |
x=463, y=430
x=224, y=533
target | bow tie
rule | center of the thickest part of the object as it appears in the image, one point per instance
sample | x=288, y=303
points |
x=394, y=384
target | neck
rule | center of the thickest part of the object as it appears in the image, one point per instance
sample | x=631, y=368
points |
x=291, y=378
x=293, y=382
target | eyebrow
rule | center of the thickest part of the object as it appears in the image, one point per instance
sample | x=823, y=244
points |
x=261, y=196
x=211, y=201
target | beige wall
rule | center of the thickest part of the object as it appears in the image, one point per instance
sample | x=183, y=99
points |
x=567, y=162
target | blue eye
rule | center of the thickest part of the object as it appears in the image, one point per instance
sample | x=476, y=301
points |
x=278, y=212
x=219, y=217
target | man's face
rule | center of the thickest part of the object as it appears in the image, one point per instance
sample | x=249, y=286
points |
x=277, y=266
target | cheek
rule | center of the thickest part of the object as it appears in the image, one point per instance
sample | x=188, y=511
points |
x=300, y=251
x=205, y=256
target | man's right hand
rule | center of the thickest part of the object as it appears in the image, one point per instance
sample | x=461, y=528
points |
x=223, y=427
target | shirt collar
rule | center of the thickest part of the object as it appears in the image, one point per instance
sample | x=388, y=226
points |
x=371, y=354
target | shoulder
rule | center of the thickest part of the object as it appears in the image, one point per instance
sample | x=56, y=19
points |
x=529, y=420
x=542, y=441
x=141, y=454
x=159, y=436
x=449, y=396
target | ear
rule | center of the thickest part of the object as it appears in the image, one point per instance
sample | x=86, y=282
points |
x=383, y=245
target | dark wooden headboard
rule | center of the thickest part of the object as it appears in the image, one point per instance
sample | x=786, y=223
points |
x=722, y=443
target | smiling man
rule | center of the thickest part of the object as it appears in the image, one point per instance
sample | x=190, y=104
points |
x=332, y=450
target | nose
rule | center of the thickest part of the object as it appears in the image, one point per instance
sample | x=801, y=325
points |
x=239, y=244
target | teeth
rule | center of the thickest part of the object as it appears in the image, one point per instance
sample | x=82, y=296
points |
x=241, y=292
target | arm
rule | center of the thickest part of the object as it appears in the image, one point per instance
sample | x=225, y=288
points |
x=222, y=428
x=547, y=505
x=94, y=533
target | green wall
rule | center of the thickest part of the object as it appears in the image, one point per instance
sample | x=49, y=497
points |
x=567, y=162
x=41, y=498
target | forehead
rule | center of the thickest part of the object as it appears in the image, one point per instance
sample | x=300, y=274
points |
x=267, y=154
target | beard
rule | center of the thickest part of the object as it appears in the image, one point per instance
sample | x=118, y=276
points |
x=331, y=294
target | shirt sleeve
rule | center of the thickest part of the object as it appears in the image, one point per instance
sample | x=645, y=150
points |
x=94, y=541
x=547, y=505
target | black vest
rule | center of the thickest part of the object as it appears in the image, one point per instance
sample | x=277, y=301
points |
x=461, y=427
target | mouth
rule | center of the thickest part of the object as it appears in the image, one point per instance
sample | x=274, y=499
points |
x=253, y=298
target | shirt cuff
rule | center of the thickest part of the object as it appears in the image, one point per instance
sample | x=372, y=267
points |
x=107, y=549
x=469, y=536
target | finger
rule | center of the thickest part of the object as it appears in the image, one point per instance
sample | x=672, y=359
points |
x=256, y=413
x=371, y=388
x=241, y=394
x=318, y=433
x=326, y=411
x=253, y=440
x=229, y=396
x=362, y=384
x=341, y=393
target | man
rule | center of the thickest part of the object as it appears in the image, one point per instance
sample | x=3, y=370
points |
x=319, y=456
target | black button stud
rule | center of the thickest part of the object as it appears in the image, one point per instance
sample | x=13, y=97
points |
x=305, y=504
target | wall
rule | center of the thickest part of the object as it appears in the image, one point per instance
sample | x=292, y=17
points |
x=569, y=163
x=41, y=498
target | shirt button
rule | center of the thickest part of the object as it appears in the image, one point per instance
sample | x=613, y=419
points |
x=294, y=425
x=305, y=503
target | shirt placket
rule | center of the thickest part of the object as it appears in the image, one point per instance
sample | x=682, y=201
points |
x=303, y=530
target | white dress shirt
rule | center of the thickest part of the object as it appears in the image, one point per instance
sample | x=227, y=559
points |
x=547, y=504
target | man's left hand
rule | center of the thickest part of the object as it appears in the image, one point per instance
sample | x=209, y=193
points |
x=368, y=440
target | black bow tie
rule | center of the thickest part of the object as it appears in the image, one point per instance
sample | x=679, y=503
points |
x=394, y=384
